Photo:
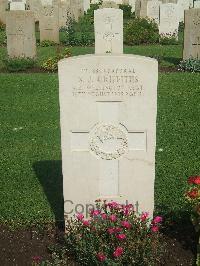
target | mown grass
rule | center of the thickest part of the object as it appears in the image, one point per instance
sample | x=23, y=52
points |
x=30, y=169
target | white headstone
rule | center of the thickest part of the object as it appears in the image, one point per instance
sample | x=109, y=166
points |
x=86, y=5
x=182, y=6
x=108, y=23
x=17, y=6
x=132, y=4
x=197, y=4
x=108, y=125
x=169, y=20
x=153, y=10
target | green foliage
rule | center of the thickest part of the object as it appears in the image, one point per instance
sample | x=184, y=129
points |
x=141, y=31
x=81, y=33
x=181, y=26
x=191, y=65
x=18, y=64
x=2, y=26
x=168, y=40
x=126, y=11
x=51, y=64
x=47, y=43
x=114, y=235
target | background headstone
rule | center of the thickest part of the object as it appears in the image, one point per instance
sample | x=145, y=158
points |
x=182, y=6
x=3, y=8
x=197, y=4
x=169, y=20
x=20, y=31
x=143, y=8
x=109, y=4
x=192, y=34
x=77, y=9
x=64, y=13
x=108, y=23
x=49, y=23
x=106, y=152
x=35, y=6
x=132, y=4
x=153, y=10
x=86, y=5
x=17, y=6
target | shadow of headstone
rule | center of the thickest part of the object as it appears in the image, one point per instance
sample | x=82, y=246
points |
x=49, y=173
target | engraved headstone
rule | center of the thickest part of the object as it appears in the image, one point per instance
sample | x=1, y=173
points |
x=64, y=13
x=108, y=106
x=49, y=23
x=108, y=23
x=20, y=31
x=169, y=20
x=108, y=153
x=153, y=10
x=192, y=34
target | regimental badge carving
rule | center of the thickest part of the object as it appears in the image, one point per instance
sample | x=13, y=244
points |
x=108, y=36
x=108, y=142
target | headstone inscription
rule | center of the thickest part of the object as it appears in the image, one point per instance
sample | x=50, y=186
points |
x=17, y=6
x=20, y=31
x=192, y=34
x=49, y=23
x=153, y=10
x=169, y=20
x=108, y=23
x=108, y=130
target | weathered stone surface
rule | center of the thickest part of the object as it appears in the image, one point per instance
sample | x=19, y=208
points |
x=169, y=20
x=153, y=10
x=17, y=6
x=108, y=126
x=20, y=31
x=3, y=8
x=108, y=24
x=192, y=34
x=49, y=23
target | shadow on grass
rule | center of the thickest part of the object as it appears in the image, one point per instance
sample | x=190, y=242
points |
x=172, y=60
x=49, y=173
x=177, y=225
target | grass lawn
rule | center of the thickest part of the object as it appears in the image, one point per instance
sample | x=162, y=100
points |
x=30, y=170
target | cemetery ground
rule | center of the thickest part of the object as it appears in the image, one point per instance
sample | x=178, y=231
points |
x=31, y=209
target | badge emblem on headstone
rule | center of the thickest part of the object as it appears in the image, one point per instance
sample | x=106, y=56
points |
x=108, y=142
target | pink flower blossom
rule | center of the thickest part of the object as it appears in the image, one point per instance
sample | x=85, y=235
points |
x=144, y=216
x=111, y=231
x=80, y=216
x=118, y=252
x=37, y=259
x=103, y=216
x=155, y=228
x=113, y=205
x=95, y=212
x=157, y=219
x=101, y=257
x=86, y=222
x=117, y=229
x=126, y=224
x=113, y=218
x=121, y=236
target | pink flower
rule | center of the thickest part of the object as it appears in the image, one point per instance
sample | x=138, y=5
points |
x=86, y=222
x=37, y=259
x=117, y=229
x=194, y=180
x=155, y=228
x=80, y=216
x=157, y=220
x=113, y=218
x=111, y=231
x=144, y=216
x=126, y=224
x=118, y=252
x=103, y=216
x=101, y=257
x=121, y=236
x=127, y=209
x=95, y=212
x=113, y=205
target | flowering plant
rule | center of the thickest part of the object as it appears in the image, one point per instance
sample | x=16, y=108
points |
x=193, y=196
x=114, y=235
